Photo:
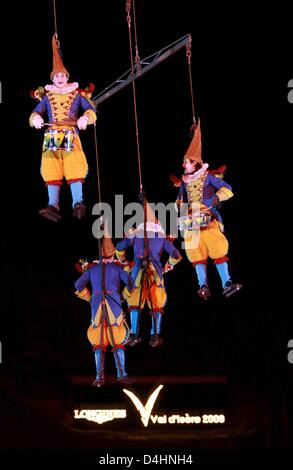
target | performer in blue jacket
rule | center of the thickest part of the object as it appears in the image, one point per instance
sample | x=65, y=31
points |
x=62, y=154
x=107, y=314
x=147, y=273
x=200, y=195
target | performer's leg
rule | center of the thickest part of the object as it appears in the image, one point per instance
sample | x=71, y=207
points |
x=201, y=272
x=134, y=327
x=156, y=319
x=77, y=198
x=218, y=247
x=223, y=271
x=229, y=287
x=124, y=378
x=100, y=368
x=53, y=193
x=156, y=340
x=134, y=321
x=76, y=192
x=121, y=366
x=51, y=212
x=136, y=302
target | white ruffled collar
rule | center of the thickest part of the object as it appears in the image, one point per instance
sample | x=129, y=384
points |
x=188, y=178
x=69, y=88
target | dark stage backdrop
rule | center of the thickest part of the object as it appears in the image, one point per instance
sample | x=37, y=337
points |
x=241, y=66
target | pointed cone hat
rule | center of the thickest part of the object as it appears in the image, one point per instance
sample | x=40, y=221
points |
x=194, y=149
x=108, y=249
x=57, y=58
x=152, y=222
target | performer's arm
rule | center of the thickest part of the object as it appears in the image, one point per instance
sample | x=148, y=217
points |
x=121, y=248
x=174, y=257
x=36, y=119
x=81, y=290
x=89, y=110
x=127, y=279
x=224, y=189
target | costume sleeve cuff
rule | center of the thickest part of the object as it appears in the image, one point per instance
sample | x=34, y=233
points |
x=224, y=194
x=91, y=115
x=84, y=294
x=121, y=255
x=174, y=261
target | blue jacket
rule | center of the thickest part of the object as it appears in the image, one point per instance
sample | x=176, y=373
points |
x=211, y=185
x=156, y=245
x=79, y=101
x=114, y=274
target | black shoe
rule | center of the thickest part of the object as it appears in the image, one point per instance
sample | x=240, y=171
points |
x=50, y=213
x=133, y=340
x=98, y=382
x=204, y=292
x=155, y=341
x=79, y=210
x=231, y=288
x=125, y=380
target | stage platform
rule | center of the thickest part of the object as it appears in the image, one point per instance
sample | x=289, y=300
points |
x=200, y=411
x=155, y=412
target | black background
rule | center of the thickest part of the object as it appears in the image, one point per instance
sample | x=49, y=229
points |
x=241, y=66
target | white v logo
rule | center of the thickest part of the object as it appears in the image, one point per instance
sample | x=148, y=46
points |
x=145, y=411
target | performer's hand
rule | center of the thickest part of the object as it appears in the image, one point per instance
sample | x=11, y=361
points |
x=168, y=267
x=38, y=121
x=82, y=122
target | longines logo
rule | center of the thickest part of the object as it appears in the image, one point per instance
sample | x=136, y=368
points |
x=145, y=411
x=101, y=416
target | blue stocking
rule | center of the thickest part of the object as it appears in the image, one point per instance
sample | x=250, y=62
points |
x=121, y=356
x=201, y=271
x=100, y=364
x=224, y=273
x=156, y=317
x=76, y=192
x=134, y=321
x=53, y=193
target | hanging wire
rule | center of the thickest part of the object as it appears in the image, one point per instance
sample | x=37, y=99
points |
x=137, y=58
x=105, y=321
x=128, y=9
x=188, y=55
x=55, y=17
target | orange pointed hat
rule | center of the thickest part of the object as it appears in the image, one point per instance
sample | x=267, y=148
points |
x=108, y=249
x=194, y=150
x=57, y=58
x=152, y=222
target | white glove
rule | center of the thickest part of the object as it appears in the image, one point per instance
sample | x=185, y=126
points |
x=38, y=121
x=82, y=122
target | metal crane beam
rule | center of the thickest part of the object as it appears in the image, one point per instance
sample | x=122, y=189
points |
x=141, y=68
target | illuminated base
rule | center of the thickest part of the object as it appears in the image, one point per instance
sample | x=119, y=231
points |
x=150, y=402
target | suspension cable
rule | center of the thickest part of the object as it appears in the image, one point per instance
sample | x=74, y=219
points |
x=128, y=9
x=188, y=55
x=137, y=58
x=105, y=320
